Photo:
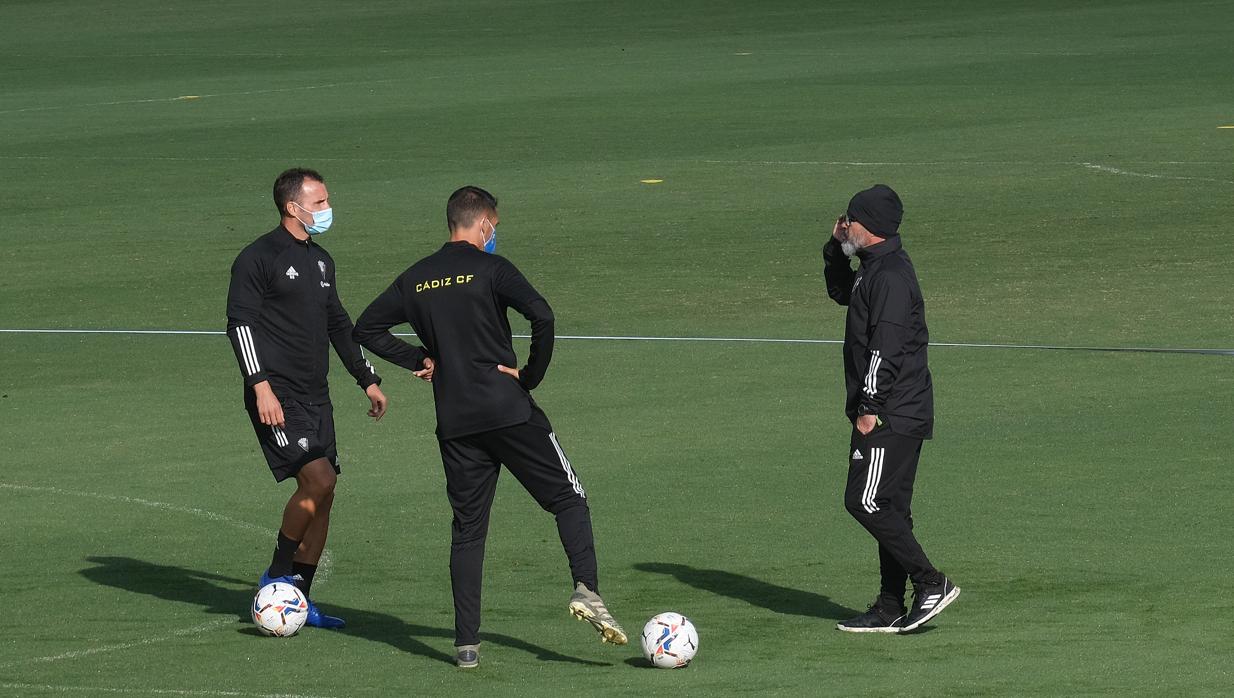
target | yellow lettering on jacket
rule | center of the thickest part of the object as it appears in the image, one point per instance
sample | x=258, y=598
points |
x=433, y=284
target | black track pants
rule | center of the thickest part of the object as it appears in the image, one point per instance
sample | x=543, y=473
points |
x=882, y=467
x=532, y=453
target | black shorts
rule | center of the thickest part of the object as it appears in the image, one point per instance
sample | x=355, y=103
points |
x=307, y=434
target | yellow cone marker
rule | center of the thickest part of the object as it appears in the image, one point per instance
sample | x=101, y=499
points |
x=651, y=181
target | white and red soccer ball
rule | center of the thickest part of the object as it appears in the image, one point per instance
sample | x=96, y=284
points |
x=280, y=609
x=670, y=641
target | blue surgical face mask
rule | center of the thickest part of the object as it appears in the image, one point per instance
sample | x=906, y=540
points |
x=321, y=220
x=490, y=245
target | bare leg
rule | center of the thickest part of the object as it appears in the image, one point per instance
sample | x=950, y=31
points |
x=314, y=492
x=314, y=541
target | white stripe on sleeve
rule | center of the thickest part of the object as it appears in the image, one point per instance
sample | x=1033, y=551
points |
x=244, y=352
x=876, y=362
x=245, y=334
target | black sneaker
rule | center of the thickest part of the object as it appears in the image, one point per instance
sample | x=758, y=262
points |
x=929, y=600
x=875, y=620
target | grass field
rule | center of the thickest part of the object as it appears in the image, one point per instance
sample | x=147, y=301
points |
x=1065, y=180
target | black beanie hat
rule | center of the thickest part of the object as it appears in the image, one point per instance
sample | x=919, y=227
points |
x=878, y=209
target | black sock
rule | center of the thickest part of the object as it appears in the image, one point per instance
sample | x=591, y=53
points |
x=306, y=572
x=284, y=551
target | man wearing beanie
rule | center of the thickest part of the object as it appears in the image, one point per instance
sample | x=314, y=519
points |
x=890, y=403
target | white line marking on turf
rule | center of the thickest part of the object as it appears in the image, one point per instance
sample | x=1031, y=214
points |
x=82, y=331
x=151, y=691
x=937, y=163
x=821, y=163
x=1147, y=175
x=299, y=88
x=180, y=98
x=143, y=502
x=323, y=568
x=739, y=340
x=990, y=163
x=75, y=654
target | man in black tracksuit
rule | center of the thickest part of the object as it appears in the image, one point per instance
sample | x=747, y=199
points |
x=890, y=403
x=283, y=314
x=456, y=301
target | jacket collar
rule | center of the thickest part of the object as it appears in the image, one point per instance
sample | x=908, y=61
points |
x=292, y=239
x=887, y=246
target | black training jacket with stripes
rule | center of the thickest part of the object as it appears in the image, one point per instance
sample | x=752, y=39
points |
x=886, y=370
x=283, y=313
x=456, y=301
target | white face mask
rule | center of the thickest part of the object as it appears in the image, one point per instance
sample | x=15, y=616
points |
x=321, y=220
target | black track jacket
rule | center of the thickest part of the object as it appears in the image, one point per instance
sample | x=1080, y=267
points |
x=456, y=301
x=885, y=336
x=283, y=312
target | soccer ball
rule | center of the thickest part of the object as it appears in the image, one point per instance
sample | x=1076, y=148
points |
x=669, y=641
x=280, y=609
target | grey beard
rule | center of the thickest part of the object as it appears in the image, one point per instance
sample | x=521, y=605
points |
x=849, y=248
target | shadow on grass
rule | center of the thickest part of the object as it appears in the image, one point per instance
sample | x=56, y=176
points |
x=753, y=591
x=228, y=596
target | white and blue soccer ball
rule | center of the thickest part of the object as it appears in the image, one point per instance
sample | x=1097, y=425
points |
x=670, y=641
x=280, y=609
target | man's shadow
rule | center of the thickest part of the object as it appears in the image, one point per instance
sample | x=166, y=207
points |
x=227, y=596
x=753, y=591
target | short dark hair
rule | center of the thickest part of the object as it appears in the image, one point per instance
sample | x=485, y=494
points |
x=467, y=203
x=288, y=185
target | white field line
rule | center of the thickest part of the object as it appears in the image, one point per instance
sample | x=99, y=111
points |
x=955, y=163
x=76, y=654
x=640, y=338
x=817, y=163
x=1148, y=175
x=298, y=88
x=323, y=569
x=183, y=98
x=220, y=518
x=990, y=163
x=50, y=688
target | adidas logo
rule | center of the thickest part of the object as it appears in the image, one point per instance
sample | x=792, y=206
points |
x=857, y=455
x=931, y=601
x=292, y=273
x=303, y=442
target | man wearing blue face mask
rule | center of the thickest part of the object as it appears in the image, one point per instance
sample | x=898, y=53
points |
x=456, y=300
x=283, y=313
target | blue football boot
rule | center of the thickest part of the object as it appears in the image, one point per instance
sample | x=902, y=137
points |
x=266, y=579
x=317, y=619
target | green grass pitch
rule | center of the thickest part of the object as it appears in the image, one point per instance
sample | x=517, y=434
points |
x=1066, y=181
